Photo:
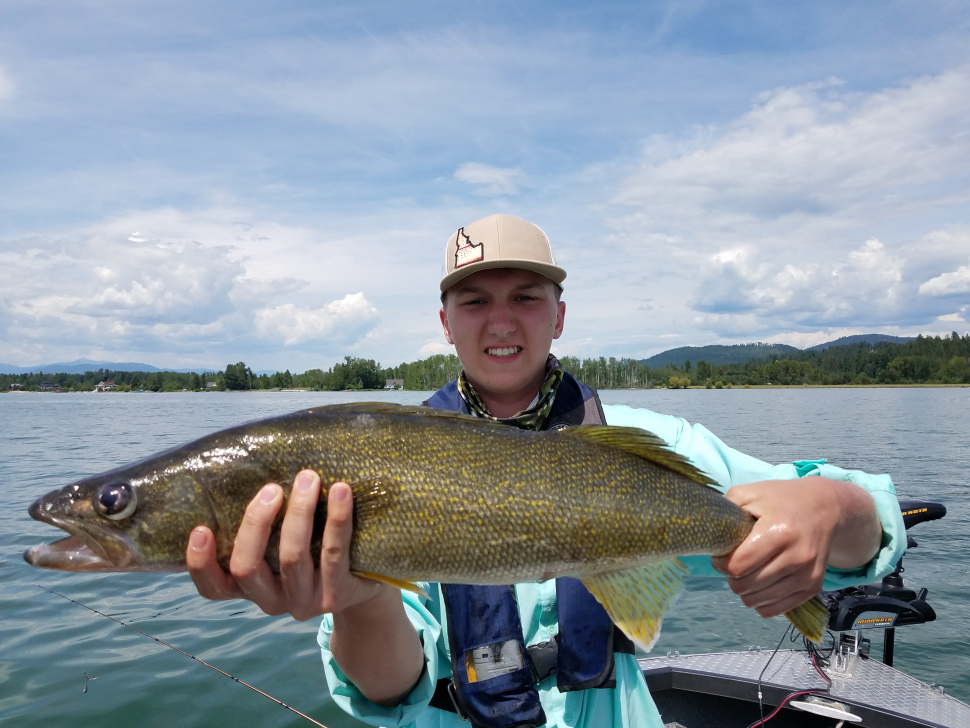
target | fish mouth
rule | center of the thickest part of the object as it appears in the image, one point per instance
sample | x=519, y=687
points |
x=82, y=550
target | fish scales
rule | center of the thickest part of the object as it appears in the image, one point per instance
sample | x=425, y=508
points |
x=454, y=497
x=438, y=497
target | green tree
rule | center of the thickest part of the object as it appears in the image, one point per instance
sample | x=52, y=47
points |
x=238, y=376
x=955, y=371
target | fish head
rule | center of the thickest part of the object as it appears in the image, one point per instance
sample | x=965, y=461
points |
x=129, y=519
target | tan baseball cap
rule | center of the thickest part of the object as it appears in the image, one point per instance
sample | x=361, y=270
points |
x=498, y=241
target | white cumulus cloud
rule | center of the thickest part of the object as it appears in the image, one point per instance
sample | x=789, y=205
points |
x=490, y=181
x=342, y=320
x=738, y=289
x=151, y=281
x=810, y=150
x=948, y=284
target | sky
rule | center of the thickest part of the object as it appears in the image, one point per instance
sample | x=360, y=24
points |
x=191, y=184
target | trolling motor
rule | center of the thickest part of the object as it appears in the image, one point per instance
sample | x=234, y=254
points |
x=888, y=604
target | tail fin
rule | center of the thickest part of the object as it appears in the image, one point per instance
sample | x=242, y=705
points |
x=810, y=618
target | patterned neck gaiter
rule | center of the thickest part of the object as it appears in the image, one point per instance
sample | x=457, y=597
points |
x=531, y=419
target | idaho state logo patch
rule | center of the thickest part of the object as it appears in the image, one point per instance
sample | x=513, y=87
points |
x=468, y=252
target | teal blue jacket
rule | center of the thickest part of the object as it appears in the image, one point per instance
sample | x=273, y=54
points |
x=630, y=703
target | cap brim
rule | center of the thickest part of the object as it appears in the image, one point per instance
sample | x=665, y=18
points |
x=553, y=272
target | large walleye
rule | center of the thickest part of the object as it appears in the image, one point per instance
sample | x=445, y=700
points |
x=438, y=497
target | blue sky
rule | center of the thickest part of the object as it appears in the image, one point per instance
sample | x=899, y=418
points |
x=191, y=184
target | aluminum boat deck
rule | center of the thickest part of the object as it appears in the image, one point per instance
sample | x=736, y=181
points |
x=714, y=690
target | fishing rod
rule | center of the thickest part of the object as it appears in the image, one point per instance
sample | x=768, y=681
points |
x=203, y=662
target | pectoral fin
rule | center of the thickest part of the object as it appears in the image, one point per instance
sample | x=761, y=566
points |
x=396, y=583
x=637, y=599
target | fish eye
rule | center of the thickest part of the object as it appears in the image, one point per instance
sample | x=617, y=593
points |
x=115, y=501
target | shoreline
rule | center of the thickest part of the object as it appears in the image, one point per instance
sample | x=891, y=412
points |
x=617, y=389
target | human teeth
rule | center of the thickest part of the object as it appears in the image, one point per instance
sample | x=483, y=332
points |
x=506, y=351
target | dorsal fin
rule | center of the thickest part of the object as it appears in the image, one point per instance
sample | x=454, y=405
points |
x=641, y=443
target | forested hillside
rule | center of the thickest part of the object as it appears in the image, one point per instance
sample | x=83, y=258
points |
x=719, y=354
x=923, y=360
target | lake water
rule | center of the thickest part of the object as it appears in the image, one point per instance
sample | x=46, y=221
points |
x=919, y=436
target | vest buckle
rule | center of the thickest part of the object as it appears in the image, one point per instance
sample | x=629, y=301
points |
x=543, y=659
x=453, y=694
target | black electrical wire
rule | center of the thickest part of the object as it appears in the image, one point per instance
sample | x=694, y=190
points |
x=818, y=655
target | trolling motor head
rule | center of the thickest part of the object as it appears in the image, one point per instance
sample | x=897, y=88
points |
x=889, y=604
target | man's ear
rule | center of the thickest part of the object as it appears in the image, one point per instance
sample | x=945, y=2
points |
x=444, y=325
x=560, y=319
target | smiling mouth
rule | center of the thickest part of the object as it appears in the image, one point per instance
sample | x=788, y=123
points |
x=504, y=351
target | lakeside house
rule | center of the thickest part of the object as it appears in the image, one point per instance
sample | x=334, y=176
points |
x=394, y=384
x=105, y=386
x=16, y=386
x=50, y=387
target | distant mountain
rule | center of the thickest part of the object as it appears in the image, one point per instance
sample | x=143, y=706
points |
x=719, y=354
x=79, y=366
x=869, y=339
x=740, y=353
x=714, y=354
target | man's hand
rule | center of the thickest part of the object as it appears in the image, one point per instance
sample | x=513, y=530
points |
x=300, y=589
x=373, y=641
x=803, y=526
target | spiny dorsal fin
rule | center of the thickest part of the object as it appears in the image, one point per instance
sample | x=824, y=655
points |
x=641, y=443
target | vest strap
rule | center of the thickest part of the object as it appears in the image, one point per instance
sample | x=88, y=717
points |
x=494, y=675
x=492, y=684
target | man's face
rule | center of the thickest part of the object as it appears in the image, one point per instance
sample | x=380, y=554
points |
x=502, y=323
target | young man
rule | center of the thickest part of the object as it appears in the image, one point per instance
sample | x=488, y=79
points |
x=391, y=659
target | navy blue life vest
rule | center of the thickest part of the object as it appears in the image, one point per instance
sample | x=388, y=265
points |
x=494, y=675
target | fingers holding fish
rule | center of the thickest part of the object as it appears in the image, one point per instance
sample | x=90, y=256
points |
x=302, y=589
x=298, y=576
x=774, y=590
x=208, y=577
x=782, y=561
x=249, y=577
x=341, y=589
x=779, y=598
x=248, y=565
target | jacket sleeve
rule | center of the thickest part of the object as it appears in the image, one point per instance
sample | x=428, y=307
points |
x=728, y=467
x=346, y=695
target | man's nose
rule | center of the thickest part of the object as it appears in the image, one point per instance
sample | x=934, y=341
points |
x=500, y=321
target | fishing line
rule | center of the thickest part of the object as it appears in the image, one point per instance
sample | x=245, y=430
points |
x=203, y=662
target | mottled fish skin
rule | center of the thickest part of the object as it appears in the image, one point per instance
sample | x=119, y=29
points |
x=438, y=496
